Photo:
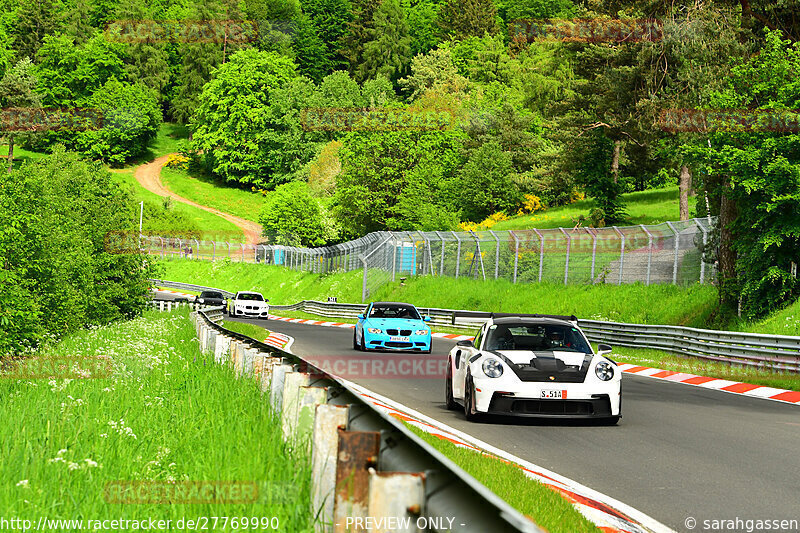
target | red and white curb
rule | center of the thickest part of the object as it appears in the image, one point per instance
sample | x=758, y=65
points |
x=308, y=321
x=735, y=387
x=279, y=340
x=606, y=513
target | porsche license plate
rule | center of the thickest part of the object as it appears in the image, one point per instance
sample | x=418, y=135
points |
x=400, y=339
x=554, y=394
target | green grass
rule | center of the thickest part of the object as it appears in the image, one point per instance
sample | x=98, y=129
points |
x=206, y=190
x=645, y=207
x=785, y=321
x=21, y=155
x=669, y=361
x=626, y=303
x=208, y=223
x=166, y=142
x=541, y=504
x=251, y=330
x=166, y=413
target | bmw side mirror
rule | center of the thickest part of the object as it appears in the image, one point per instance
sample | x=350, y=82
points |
x=466, y=344
x=360, y=317
x=426, y=318
x=604, y=349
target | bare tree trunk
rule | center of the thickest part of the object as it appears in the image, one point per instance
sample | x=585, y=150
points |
x=615, y=161
x=727, y=255
x=684, y=185
x=10, y=153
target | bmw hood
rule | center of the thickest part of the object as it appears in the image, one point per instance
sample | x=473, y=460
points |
x=395, y=323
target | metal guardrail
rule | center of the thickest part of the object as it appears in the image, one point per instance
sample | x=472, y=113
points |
x=188, y=287
x=387, y=449
x=777, y=352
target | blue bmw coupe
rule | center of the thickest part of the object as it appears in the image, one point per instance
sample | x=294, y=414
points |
x=392, y=326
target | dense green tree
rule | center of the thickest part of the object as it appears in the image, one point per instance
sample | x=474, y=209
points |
x=291, y=216
x=387, y=52
x=17, y=89
x=466, y=18
x=131, y=118
x=397, y=181
x=248, y=128
x=57, y=275
x=486, y=184
x=358, y=33
x=422, y=16
x=755, y=171
x=146, y=62
x=434, y=71
x=311, y=53
x=330, y=19
x=34, y=21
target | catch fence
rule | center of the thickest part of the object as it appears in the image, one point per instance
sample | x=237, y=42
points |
x=670, y=252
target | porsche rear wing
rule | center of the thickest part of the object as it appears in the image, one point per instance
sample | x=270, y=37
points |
x=483, y=314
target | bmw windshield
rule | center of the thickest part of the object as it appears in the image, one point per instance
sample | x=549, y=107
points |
x=250, y=297
x=394, y=311
x=536, y=337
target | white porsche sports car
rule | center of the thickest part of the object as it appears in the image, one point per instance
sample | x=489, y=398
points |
x=533, y=365
x=251, y=304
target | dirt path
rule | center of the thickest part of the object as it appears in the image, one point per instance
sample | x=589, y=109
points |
x=149, y=177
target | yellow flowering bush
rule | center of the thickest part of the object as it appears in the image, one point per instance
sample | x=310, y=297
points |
x=178, y=161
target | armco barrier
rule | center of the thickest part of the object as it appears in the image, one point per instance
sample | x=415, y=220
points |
x=364, y=462
x=778, y=352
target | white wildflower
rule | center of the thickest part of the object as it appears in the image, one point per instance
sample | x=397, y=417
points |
x=23, y=483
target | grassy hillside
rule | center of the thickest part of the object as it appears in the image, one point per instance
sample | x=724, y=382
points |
x=657, y=304
x=210, y=192
x=645, y=207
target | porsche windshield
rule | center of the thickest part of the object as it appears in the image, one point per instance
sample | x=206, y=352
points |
x=536, y=337
x=394, y=311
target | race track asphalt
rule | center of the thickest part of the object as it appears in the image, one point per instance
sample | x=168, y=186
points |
x=679, y=451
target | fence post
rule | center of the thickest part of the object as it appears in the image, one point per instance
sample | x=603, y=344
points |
x=441, y=263
x=541, y=252
x=478, y=251
x=197, y=256
x=242, y=252
x=649, y=251
x=364, y=281
x=702, y=254
x=229, y=249
x=516, y=253
x=566, y=262
x=621, y=254
x=162, y=247
x=496, y=255
x=675, y=262
x=180, y=247
x=394, y=257
x=458, y=253
x=594, y=249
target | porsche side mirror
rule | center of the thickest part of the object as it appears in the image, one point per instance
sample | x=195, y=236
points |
x=360, y=317
x=603, y=349
x=426, y=318
x=466, y=344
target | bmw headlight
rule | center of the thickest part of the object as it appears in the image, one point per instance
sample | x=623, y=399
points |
x=375, y=331
x=421, y=332
x=604, y=371
x=493, y=368
x=201, y=300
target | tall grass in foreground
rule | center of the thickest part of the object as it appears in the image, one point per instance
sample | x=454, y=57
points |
x=165, y=414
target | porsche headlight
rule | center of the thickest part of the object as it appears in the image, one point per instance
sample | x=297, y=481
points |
x=604, y=371
x=421, y=332
x=493, y=368
x=201, y=300
x=375, y=331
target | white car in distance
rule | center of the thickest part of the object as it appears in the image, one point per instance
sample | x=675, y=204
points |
x=248, y=304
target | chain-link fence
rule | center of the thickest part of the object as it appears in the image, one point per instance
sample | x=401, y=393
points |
x=671, y=252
